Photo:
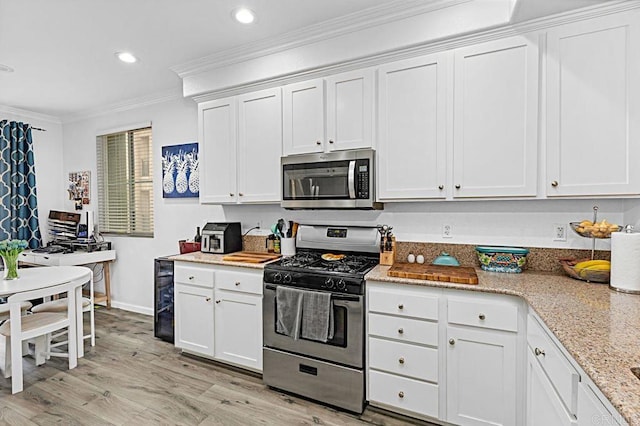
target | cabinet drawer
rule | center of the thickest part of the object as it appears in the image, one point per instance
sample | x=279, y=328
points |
x=404, y=329
x=194, y=275
x=485, y=314
x=563, y=376
x=237, y=280
x=403, y=393
x=44, y=259
x=404, y=302
x=402, y=358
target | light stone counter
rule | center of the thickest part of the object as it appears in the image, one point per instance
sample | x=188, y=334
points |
x=214, y=259
x=598, y=326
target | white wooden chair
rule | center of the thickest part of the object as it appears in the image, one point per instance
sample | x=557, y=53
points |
x=60, y=305
x=38, y=326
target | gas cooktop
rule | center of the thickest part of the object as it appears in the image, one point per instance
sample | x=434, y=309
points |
x=324, y=262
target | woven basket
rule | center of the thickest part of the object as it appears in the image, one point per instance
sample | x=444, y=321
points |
x=594, y=276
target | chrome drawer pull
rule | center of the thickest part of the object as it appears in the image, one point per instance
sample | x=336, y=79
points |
x=400, y=331
x=218, y=301
x=401, y=306
x=208, y=299
x=482, y=317
x=539, y=352
x=191, y=277
x=452, y=341
x=237, y=282
x=401, y=394
x=401, y=360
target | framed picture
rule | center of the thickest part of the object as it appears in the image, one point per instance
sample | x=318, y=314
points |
x=180, y=177
x=78, y=188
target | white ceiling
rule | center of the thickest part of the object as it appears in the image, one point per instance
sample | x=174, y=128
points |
x=62, y=51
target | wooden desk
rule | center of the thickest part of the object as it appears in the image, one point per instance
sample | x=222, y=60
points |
x=76, y=259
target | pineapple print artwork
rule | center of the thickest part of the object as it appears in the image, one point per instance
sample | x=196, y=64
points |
x=180, y=176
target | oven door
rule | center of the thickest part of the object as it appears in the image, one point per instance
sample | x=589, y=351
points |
x=347, y=344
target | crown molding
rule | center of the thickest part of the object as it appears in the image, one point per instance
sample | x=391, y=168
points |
x=26, y=113
x=357, y=21
x=126, y=105
x=434, y=46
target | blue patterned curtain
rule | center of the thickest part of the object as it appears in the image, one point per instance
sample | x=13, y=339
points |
x=18, y=201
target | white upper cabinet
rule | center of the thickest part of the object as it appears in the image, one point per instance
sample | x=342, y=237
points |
x=350, y=110
x=412, y=123
x=240, y=148
x=217, y=136
x=349, y=113
x=593, y=107
x=495, y=122
x=259, y=146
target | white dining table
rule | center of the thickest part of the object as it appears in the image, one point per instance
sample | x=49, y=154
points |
x=42, y=277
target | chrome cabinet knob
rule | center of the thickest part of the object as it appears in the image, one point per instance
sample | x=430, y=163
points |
x=481, y=317
x=191, y=278
x=458, y=186
x=330, y=140
x=401, y=306
x=241, y=194
x=554, y=183
x=208, y=299
x=400, y=331
x=318, y=143
x=401, y=360
x=218, y=301
x=452, y=341
x=231, y=194
x=440, y=187
x=401, y=394
x=237, y=282
x=539, y=352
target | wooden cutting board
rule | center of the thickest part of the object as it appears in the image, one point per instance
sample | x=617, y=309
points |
x=451, y=274
x=250, y=257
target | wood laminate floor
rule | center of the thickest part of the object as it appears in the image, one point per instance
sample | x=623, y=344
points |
x=132, y=378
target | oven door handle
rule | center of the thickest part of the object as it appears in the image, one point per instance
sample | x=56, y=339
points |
x=333, y=296
x=352, y=179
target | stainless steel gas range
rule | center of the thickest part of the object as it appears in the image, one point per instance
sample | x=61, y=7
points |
x=314, y=315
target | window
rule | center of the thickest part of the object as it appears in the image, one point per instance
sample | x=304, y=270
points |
x=125, y=183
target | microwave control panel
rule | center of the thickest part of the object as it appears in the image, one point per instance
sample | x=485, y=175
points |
x=362, y=179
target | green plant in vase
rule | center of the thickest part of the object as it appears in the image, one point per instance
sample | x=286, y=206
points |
x=9, y=251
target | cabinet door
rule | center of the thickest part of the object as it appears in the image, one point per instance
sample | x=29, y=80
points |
x=217, y=135
x=303, y=117
x=350, y=110
x=591, y=410
x=194, y=319
x=593, y=107
x=411, y=116
x=481, y=377
x=495, y=122
x=259, y=146
x=544, y=406
x=238, y=328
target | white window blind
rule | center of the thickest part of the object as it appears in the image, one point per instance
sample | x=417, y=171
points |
x=125, y=183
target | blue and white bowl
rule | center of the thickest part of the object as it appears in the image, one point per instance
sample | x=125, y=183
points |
x=502, y=259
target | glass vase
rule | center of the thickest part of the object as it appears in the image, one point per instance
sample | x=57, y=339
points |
x=10, y=263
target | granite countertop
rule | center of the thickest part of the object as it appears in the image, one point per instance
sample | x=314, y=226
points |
x=215, y=259
x=599, y=327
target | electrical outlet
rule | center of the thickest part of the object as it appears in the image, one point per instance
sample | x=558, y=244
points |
x=447, y=231
x=559, y=232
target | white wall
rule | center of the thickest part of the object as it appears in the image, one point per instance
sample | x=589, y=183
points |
x=47, y=151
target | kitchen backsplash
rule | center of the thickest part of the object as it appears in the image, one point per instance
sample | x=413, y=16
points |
x=538, y=259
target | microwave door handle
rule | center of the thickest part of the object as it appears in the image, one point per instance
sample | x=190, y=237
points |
x=352, y=179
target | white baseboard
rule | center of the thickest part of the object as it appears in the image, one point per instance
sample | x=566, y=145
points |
x=131, y=308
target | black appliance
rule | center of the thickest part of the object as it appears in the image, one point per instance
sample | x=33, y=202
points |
x=221, y=237
x=163, y=324
x=334, y=260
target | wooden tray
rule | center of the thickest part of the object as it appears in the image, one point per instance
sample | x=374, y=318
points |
x=250, y=257
x=451, y=274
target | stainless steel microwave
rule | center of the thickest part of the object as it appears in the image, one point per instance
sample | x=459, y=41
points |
x=334, y=180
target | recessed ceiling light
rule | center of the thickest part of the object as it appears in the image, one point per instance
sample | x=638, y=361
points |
x=244, y=15
x=126, y=57
x=5, y=68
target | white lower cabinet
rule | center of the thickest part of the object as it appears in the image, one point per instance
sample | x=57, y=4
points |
x=544, y=406
x=591, y=409
x=238, y=328
x=194, y=318
x=227, y=327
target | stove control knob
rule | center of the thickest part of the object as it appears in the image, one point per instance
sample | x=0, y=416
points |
x=341, y=284
x=287, y=279
x=277, y=277
x=329, y=283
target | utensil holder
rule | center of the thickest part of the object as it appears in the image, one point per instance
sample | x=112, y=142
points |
x=389, y=257
x=288, y=246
